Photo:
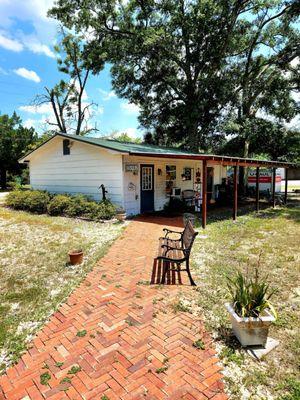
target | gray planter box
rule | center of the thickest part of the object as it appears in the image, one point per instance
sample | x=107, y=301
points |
x=250, y=331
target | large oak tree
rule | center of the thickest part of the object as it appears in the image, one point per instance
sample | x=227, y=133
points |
x=184, y=62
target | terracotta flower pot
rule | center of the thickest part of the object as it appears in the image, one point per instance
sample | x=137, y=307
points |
x=76, y=257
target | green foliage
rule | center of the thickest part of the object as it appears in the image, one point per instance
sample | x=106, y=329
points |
x=29, y=200
x=45, y=378
x=199, y=344
x=123, y=137
x=67, y=379
x=250, y=295
x=14, y=142
x=161, y=370
x=293, y=387
x=73, y=60
x=74, y=369
x=81, y=333
x=229, y=354
x=187, y=64
x=60, y=204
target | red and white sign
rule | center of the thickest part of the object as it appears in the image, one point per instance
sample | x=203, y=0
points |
x=265, y=180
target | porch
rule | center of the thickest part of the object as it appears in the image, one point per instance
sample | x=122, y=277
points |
x=151, y=181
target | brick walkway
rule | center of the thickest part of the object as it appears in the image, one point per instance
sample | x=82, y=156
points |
x=131, y=345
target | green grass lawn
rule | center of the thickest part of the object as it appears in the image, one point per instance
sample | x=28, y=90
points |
x=34, y=275
x=271, y=241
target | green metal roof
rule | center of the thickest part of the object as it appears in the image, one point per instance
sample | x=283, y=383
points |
x=126, y=147
x=160, y=151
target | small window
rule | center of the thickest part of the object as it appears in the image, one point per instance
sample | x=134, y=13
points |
x=170, y=178
x=66, y=147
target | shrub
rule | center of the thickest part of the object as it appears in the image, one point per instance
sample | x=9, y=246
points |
x=29, y=200
x=250, y=295
x=106, y=210
x=99, y=211
x=78, y=205
x=36, y=201
x=16, y=200
x=58, y=204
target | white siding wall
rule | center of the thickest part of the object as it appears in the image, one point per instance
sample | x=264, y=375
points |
x=83, y=171
x=132, y=197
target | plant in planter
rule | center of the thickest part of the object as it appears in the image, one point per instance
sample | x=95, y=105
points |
x=120, y=214
x=76, y=257
x=250, y=310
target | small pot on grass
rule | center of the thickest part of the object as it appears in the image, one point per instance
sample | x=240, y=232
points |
x=76, y=257
x=250, y=310
x=121, y=214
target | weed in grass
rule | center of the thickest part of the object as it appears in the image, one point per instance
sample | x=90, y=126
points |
x=292, y=388
x=81, y=333
x=45, y=366
x=199, y=344
x=45, y=378
x=129, y=322
x=228, y=354
x=92, y=336
x=104, y=397
x=74, y=370
x=144, y=282
x=180, y=307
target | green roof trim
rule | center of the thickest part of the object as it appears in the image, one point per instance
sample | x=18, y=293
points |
x=124, y=147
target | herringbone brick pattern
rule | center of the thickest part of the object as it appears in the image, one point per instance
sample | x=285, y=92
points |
x=135, y=346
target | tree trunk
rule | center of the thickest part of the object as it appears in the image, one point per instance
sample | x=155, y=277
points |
x=3, y=178
x=193, y=137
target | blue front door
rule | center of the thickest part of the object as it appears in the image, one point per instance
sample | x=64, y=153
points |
x=147, y=188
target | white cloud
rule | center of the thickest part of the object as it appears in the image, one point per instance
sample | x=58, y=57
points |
x=131, y=132
x=36, y=47
x=107, y=95
x=29, y=123
x=28, y=74
x=34, y=12
x=10, y=44
x=130, y=108
x=40, y=109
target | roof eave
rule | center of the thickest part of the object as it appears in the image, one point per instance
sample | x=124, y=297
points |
x=223, y=160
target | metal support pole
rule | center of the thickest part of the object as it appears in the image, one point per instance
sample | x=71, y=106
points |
x=273, y=187
x=235, y=193
x=286, y=185
x=257, y=190
x=204, y=194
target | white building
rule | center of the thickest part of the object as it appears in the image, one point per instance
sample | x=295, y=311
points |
x=137, y=177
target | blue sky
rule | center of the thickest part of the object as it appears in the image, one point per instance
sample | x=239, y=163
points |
x=27, y=65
